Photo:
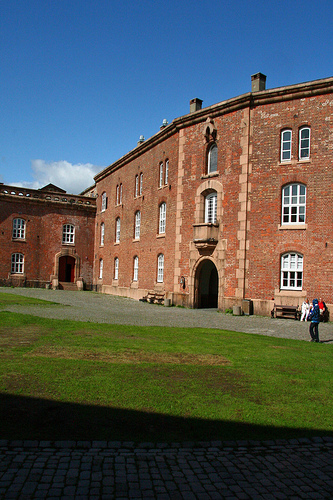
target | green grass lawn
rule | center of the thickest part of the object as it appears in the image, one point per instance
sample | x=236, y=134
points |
x=69, y=380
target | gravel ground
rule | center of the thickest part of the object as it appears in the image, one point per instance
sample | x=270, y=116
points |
x=101, y=308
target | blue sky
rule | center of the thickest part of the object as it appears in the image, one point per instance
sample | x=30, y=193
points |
x=81, y=80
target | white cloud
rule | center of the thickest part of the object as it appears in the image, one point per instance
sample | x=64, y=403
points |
x=72, y=178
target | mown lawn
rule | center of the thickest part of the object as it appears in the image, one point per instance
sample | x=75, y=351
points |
x=69, y=380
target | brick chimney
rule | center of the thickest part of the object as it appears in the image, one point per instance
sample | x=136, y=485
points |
x=195, y=105
x=258, y=82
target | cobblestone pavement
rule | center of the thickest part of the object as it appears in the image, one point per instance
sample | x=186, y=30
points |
x=242, y=470
x=281, y=469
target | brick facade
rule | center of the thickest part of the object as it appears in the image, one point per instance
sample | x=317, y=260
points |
x=237, y=255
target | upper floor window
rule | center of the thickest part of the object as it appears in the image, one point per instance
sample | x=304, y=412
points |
x=100, y=268
x=141, y=184
x=102, y=233
x=116, y=268
x=135, y=268
x=19, y=228
x=137, y=225
x=286, y=145
x=162, y=221
x=117, y=194
x=68, y=234
x=161, y=175
x=117, y=229
x=136, y=186
x=211, y=208
x=304, y=143
x=17, y=263
x=212, y=159
x=166, y=177
x=292, y=271
x=104, y=202
x=160, y=268
x=293, y=204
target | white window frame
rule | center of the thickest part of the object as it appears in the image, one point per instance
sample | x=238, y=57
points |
x=102, y=233
x=161, y=174
x=160, y=268
x=291, y=271
x=141, y=183
x=166, y=172
x=121, y=194
x=103, y=207
x=100, y=276
x=304, y=144
x=18, y=229
x=211, y=208
x=212, y=159
x=135, y=268
x=117, y=194
x=286, y=145
x=162, y=219
x=293, y=204
x=17, y=263
x=117, y=229
x=136, y=186
x=116, y=268
x=137, y=225
x=68, y=234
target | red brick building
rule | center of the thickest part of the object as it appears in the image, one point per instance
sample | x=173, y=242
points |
x=46, y=238
x=228, y=203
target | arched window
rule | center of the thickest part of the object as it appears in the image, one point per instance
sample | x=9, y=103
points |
x=102, y=233
x=68, y=234
x=286, y=145
x=166, y=171
x=211, y=208
x=137, y=225
x=19, y=229
x=160, y=268
x=212, y=159
x=162, y=222
x=120, y=194
x=116, y=268
x=141, y=183
x=293, y=204
x=117, y=194
x=135, y=268
x=304, y=143
x=117, y=229
x=292, y=271
x=100, y=269
x=136, y=186
x=17, y=263
x=104, y=202
x=161, y=175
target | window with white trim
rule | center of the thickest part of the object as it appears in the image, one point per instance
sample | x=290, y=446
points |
x=102, y=233
x=212, y=159
x=293, y=204
x=17, y=263
x=291, y=271
x=100, y=269
x=137, y=225
x=141, y=183
x=160, y=268
x=104, y=202
x=136, y=186
x=286, y=136
x=162, y=222
x=116, y=268
x=135, y=268
x=304, y=143
x=19, y=229
x=166, y=171
x=211, y=208
x=68, y=234
x=117, y=194
x=120, y=194
x=161, y=175
x=117, y=229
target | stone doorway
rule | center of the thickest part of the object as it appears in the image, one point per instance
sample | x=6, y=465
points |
x=207, y=285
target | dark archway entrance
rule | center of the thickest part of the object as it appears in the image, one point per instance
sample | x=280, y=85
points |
x=66, y=269
x=207, y=284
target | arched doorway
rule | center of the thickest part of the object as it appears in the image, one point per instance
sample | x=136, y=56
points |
x=67, y=269
x=207, y=285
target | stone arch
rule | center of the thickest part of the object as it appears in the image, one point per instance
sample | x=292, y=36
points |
x=206, y=284
x=205, y=188
x=67, y=265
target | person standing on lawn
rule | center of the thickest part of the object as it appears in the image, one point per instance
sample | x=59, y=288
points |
x=314, y=317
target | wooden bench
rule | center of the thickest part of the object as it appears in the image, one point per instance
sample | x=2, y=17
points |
x=153, y=298
x=291, y=312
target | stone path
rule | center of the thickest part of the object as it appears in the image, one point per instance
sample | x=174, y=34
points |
x=282, y=469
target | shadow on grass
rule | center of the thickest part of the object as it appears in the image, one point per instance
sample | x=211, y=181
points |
x=40, y=419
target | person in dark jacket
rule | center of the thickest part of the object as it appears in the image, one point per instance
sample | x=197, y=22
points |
x=314, y=317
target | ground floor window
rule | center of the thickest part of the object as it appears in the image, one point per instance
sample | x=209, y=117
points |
x=292, y=271
x=136, y=268
x=160, y=268
x=17, y=263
